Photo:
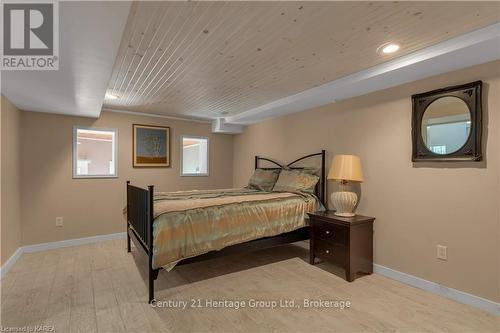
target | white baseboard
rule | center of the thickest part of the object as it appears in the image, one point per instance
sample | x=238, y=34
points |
x=56, y=245
x=72, y=242
x=454, y=294
x=10, y=262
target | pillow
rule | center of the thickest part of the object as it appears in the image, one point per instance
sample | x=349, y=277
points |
x=263, y=180
x=312, y=171
x=295, y=180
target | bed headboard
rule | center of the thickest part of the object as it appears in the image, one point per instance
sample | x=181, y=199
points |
x=320, y=189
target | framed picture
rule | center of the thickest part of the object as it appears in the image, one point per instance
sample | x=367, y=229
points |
x=151, y=146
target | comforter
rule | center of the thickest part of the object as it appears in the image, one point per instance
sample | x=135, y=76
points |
x=190, y=223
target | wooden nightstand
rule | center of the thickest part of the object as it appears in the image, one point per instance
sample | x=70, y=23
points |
x=344, y=241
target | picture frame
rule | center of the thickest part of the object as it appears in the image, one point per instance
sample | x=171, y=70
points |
x=150, y=146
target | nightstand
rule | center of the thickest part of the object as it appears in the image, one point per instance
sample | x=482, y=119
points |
x=343, y=241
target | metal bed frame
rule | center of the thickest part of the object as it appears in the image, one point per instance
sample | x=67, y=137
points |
x=140, y=219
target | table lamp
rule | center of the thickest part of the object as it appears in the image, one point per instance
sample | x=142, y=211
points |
x=344, y=169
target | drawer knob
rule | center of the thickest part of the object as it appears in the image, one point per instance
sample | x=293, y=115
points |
x=327, y=251
x=327, y=232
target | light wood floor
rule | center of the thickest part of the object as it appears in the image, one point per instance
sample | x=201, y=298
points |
x=99, y=287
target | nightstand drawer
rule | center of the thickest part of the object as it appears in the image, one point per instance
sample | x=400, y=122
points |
x=329, y=232
x=329, y=251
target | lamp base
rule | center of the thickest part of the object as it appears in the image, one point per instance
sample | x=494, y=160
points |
x=344, y=202
x=344, y=214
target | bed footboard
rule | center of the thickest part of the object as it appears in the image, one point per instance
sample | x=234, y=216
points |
x=140, y=224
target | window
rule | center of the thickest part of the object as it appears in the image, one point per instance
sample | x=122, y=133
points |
x=94, y=152
x=439, y=149
x=194, y=156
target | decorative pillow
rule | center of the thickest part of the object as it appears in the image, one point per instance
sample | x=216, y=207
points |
x=295, y=181
x=263, y=180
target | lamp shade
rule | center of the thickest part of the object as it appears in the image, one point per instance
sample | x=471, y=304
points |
x=346, y=167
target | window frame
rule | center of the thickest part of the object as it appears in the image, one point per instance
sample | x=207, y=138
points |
x=75, y=152
x=207, y=174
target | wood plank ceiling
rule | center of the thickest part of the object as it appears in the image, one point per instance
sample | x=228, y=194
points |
x=214, y=59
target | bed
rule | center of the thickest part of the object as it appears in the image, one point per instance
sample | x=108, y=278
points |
x=177, y=228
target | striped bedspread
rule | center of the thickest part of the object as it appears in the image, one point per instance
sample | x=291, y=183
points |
x=190, y=223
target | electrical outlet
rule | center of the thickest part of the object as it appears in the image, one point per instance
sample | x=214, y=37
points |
x=59, y=221
x=442, y=252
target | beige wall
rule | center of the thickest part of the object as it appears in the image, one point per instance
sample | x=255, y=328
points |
x=416, y=206
x=10, y=181
x=93, y=206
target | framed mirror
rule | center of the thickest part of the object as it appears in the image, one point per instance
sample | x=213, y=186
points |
x=447, y=124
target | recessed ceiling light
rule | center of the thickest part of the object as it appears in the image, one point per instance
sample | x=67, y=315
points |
x=111, y=96
x=389, y=48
